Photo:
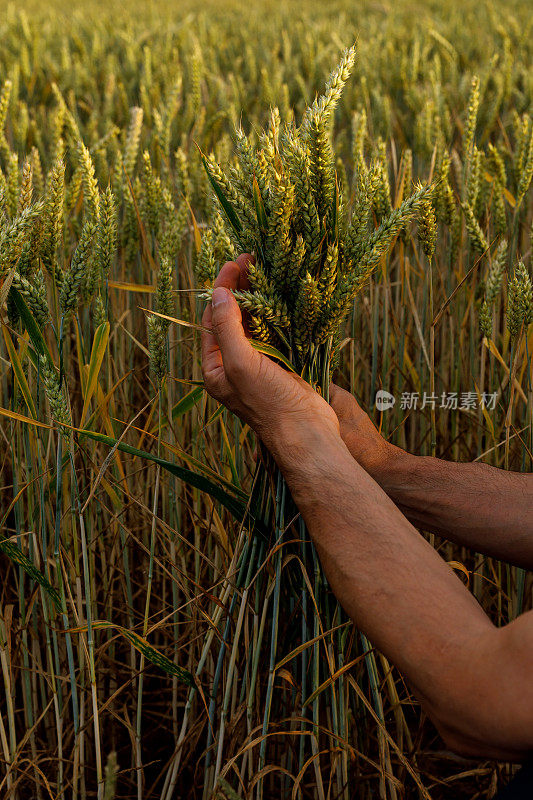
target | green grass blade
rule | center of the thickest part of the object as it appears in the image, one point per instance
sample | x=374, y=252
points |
x=148, y=651
x=101, y=337
x=16, y=555
x=19, y=372
x=234, y=505
x=224, y=202
x=272, y=352
x=187, y=402
x=36, y=336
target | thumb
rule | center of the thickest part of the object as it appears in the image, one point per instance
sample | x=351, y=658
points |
x=226, y=319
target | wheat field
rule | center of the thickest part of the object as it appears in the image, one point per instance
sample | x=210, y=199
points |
x=165, y=629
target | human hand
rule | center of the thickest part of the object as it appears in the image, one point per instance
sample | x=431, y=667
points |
x=361, y=436
x=284, y=410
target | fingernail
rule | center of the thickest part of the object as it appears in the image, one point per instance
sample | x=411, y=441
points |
x=220, y=296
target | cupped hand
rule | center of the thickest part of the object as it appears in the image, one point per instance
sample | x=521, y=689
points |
x=360, y=435
x=280, y=407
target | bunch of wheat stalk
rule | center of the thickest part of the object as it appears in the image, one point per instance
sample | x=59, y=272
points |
x=284, y=202
x=315, y=246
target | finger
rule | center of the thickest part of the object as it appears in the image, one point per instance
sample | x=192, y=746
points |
x=237, y=352
x=243, y=260
x=228, y=276
x=207, y=317
x=211, y=355
x=343, y=403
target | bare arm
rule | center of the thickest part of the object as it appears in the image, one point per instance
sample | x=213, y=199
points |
x=472, y=678
x=476, y=505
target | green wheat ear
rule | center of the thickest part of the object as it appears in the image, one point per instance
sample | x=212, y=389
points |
x=492, y=288
x=427, y=228
x=56, y=396
x=205, y=264
x=520, y=301
x=131, y=146
x=78, y=273
x=54, y=200
x=91, y=194
x=477, y=237
x=106, y=242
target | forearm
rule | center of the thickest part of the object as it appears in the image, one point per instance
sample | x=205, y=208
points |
x=397, y=589
x=475, y=505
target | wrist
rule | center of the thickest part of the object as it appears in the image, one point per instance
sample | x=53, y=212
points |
x=375, y=455
x=304, y=452
x=392, y=469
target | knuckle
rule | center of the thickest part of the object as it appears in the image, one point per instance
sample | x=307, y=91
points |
x=214, y=382
x=244, y=259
